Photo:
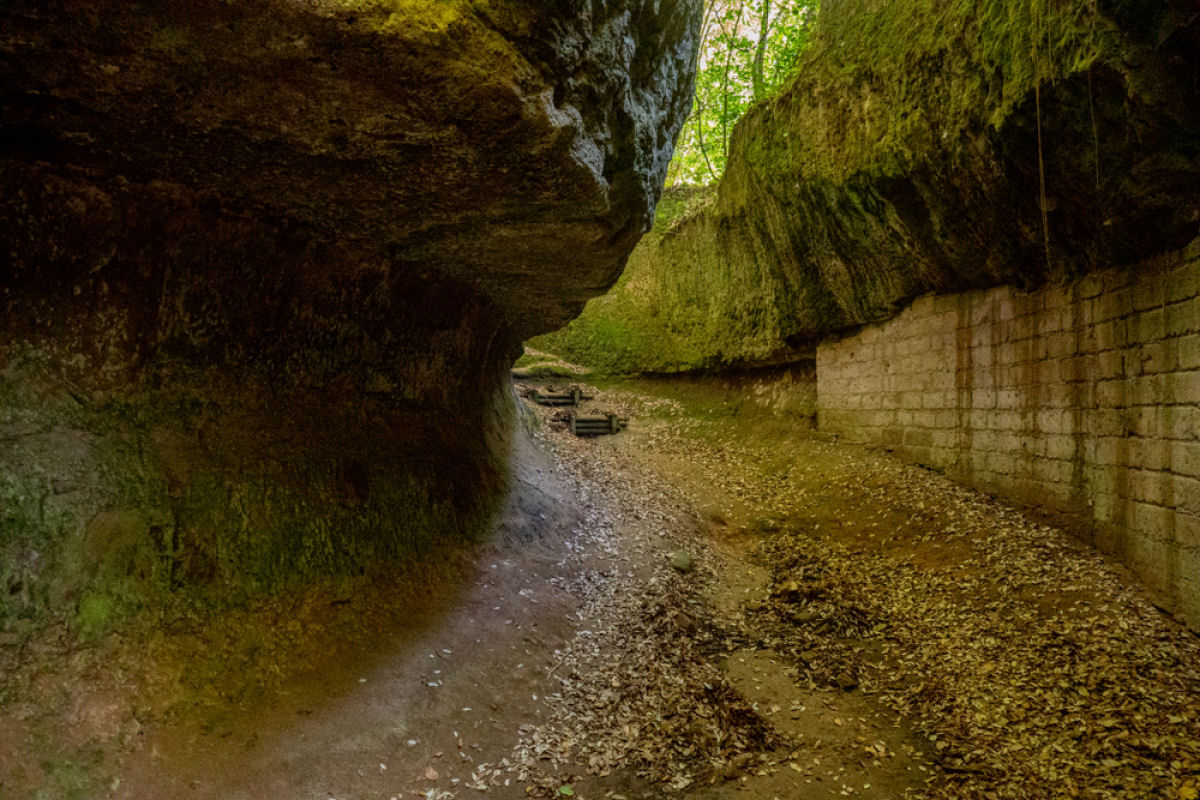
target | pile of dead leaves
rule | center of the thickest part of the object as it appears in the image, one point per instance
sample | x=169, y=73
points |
x=1022, y=694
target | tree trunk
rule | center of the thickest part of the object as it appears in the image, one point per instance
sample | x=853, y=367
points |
x=725, y=87
x=760, y=51
x=713, y=176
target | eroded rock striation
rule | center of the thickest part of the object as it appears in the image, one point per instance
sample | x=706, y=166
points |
x=264, y=265
x=915, y=151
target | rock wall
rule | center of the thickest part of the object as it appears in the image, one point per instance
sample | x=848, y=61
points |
x=916, y=150
x=963, y=144
x=1082, y=397
x=681, y=305
x=781, y=393
x=264, y=266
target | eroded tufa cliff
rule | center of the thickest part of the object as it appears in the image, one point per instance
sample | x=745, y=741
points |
x=912, y=153
x=264, y=265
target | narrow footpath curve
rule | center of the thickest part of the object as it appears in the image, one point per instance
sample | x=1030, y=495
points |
x=840, y=624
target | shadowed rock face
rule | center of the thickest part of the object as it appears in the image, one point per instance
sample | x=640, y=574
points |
x=918, y=147
x=264, y=179
x=268, y=262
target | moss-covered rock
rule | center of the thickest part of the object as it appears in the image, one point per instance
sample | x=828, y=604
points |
x=678, y=306
x=167, y=503
x=915, y=150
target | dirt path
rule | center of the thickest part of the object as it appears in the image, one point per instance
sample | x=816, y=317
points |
x=409, y=716
x=843, y=625
x=874, y=630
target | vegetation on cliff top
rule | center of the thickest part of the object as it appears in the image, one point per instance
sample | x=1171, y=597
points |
x=748, y=50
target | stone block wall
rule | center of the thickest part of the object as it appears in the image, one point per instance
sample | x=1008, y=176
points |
x=1081, y=398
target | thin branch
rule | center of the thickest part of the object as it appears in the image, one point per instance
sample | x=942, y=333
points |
x=700, y=139
x=737, y=23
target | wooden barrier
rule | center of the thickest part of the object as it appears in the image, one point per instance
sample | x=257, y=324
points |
x=596, y=426
x=572, y=398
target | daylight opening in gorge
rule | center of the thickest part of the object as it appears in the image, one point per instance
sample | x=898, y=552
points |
x=600, y=399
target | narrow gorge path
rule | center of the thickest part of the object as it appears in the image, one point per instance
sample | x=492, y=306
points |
x=713, y=604
x=871, y=628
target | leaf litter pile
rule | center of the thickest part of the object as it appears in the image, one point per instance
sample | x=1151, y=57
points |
x=1094, y=699
x=1031, y=664
x=642, y=695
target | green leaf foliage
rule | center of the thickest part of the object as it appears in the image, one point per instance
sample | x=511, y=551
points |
x=749, y=49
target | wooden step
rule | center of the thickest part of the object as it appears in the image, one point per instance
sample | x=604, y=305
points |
x=596, y=426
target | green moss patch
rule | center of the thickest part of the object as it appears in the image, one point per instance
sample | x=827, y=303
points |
x=94, y=615
x=148, y=503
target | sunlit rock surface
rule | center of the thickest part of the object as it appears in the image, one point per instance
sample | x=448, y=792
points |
x=263, y=266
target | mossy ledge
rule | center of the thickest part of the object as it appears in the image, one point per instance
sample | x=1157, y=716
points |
x=908, y=156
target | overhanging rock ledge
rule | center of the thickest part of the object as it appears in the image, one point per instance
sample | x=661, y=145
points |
x=252, y=254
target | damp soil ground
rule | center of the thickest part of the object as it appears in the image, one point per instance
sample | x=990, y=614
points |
x=709, y=604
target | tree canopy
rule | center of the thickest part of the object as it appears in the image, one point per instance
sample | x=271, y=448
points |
x=748, y=50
